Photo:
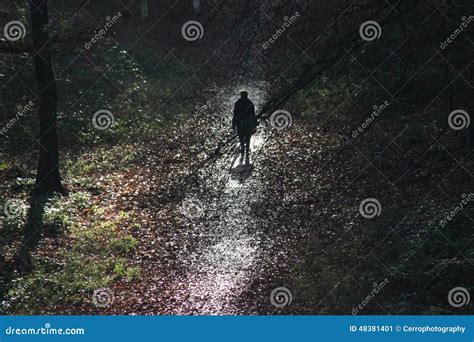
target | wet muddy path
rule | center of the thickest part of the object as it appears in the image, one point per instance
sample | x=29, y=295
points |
x=222, y=252
x=230, y=247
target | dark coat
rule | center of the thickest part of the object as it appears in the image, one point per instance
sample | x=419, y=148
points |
x=244, y=116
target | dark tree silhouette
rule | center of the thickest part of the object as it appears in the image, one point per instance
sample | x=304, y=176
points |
x=47, y=178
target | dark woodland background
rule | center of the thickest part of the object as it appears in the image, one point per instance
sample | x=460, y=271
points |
x=103, y=212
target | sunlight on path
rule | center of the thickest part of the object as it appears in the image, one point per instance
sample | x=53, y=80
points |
x=242, y=169
x=228, y=258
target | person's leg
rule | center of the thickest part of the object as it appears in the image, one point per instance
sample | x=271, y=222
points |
x=247, y=146
x=248, y=142
x=242, y=142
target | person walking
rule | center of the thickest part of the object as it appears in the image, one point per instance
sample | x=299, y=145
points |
x=244, y=122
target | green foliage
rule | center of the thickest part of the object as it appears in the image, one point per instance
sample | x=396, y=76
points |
x=80, y=199
x=23, y=184
x=143, y=91
x=92, y=255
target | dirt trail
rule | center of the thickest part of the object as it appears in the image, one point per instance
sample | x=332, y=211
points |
x=214, y=249
x=229, y=245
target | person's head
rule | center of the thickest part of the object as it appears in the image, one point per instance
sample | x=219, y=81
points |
x=244, y=94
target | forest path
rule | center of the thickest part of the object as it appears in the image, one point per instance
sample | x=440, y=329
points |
x=216, y=253
x=229, y=245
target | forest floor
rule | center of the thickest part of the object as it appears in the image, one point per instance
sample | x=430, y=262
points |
x=203, y=251
x=210, y=244
x=183, y=233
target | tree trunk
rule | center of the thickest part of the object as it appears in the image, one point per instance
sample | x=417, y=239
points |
x=47, y=177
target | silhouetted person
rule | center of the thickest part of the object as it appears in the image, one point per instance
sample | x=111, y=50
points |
x=245, y=122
